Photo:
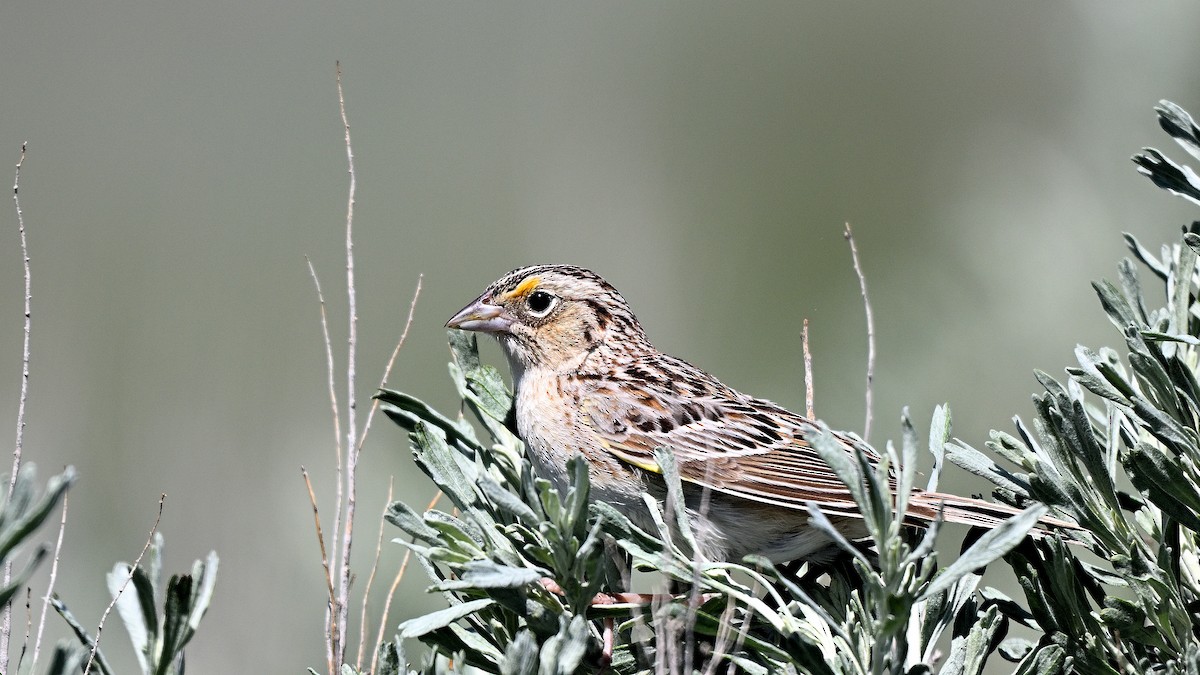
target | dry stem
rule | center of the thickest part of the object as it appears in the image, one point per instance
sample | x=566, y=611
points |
x=363, y=625
x=387, y=604
x=808, y=374
x=862, y=284
x=312, y=498
x=6, y=614
x=138, y=561
x=330, y=625
x=37, y=643
x=342, y=605
x=387, y=371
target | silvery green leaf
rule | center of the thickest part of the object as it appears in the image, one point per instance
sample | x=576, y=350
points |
x=464, y=347
x=1178, y=123
x=574, y=646
x=20, y=580
x=1120, y=313
x=423, y=625
x=817, y=519
x=1182, y=281
x=670, y=473
x=974, y=461
x=907, y=460
x=80, y=632
x=576, y=505
x=1168, y=488
x=456, y=532
x=1099, y=377
x=22, y=514
x=489, y=574
x=403, y=517
x=205, y=574
x=1179, y=180
x=796, y=591
x=1192, y=240
x=1009, y=607
x=1145, y=256
x=1163, y=427
x=979, y=641
x=939, y=436
x=521, y=655
x=450, y=471
x=1048, y=660
x=490, y=392
x=1132, y=287
x=990, y=547
x=137, y=611
x=505, y=501
x=408, y=411
x=1015, y=648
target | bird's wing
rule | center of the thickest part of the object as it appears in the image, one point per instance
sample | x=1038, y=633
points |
x=723, y=440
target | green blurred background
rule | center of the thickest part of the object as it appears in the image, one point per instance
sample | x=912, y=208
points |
x=185, y=157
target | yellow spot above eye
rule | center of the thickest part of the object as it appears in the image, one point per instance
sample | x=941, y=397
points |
x=524, y=288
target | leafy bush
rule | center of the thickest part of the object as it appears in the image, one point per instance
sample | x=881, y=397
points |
x=1116, y=447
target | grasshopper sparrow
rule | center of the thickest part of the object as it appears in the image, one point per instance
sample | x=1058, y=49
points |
x=588, y=381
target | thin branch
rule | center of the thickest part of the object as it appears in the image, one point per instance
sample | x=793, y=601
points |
x=136, y=563
x=28, y=628
x=722, y=643
x=6, y=615
x=387, y=604
x=329, y=368
x=808, y=374
x=62, y=527
x=862, y=284
x=343, y=598
x=362, y=619
x=312, y=498
x=387, y=371
x=337, y=443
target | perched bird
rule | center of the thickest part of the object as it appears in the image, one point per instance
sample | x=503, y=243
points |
x=587, y=381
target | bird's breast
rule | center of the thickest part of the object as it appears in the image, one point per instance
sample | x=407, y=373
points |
x=552, y=421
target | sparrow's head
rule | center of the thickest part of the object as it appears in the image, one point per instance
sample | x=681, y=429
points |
x=550, y=316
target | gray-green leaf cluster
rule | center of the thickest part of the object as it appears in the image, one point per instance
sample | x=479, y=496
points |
x=158, y=636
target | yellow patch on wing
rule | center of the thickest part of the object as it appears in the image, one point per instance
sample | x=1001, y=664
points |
x=524, y=288
x=640, y=460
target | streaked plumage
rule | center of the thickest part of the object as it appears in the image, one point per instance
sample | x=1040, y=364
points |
x=587, y=380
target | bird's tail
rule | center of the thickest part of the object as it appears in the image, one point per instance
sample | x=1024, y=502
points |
x=923, y=508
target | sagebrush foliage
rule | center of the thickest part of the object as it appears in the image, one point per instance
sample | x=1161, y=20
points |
x=1115, y=446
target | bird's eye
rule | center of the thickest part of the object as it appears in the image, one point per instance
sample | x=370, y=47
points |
x=540, y=303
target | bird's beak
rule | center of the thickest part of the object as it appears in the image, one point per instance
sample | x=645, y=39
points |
x=481, y=317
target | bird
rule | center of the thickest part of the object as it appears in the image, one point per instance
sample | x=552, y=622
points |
x=587, y=381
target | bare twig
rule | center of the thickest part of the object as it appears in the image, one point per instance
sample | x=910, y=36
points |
x=722, y=643
x=387, y=371
x=862, y=283
x=363, y=625
x=343, y=596
x=312, y=498
x=337, y=454
x=37, y=643
x=6, y=614
x=808, y=374
x=333, y=401
x=28, y=628
x=387, y=604
x=137, y=562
